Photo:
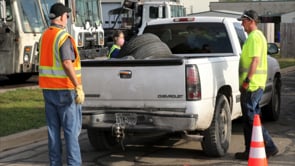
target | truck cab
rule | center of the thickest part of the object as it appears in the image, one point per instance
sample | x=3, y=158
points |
x=21, y=26
x=85, y=25
x=133, y=16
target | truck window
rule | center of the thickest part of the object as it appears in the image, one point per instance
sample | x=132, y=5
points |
x=240, y=33
x=8, y=11
x=87, y=11
x=191, y=38
x=46, y=4
x=177, y=11
x=31, y=17
x=154, y=12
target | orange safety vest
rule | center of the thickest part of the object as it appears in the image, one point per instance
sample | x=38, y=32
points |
x=51, y=72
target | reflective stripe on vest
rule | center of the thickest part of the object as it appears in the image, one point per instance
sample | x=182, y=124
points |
x=112, y=50
x=56, y=73
x=51, y=72
x=245, y=70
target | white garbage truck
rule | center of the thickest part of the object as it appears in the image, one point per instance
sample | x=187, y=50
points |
x=21, y=25
x=85, y=25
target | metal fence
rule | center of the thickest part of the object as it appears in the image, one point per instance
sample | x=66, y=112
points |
x=287, y=40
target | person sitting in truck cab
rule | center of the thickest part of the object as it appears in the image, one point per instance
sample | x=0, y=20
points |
x=118, y=38
x=196, y=38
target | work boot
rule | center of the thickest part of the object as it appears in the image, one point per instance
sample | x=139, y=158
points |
x=273, y=152
x=242, y=155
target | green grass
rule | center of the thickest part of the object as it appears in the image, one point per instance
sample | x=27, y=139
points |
x=20, y=110
x=286, y=62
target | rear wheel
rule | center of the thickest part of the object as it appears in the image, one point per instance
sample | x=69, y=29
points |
x=272, y=110
x=101, y=140
x=217, y=137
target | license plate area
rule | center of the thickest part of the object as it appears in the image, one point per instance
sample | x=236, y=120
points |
x=126, y=119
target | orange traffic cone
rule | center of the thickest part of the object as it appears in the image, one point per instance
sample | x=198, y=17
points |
x=257, y=156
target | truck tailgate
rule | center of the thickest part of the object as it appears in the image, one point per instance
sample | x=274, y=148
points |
x=134, y=83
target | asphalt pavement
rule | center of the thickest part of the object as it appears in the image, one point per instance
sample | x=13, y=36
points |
x=36, y=135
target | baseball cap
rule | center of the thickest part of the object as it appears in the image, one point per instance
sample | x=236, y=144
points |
x=250, y=15
x=57, y=10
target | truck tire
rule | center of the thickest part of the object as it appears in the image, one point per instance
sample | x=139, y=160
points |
x=217, y=137
x=101, y=140
x=136, y=43
x=271, y=111
x=152, y=51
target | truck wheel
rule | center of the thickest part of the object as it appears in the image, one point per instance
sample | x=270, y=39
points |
x=137, y=42
x=152, y=51
x=272, y=110
x=101, y=140
x=217, y=137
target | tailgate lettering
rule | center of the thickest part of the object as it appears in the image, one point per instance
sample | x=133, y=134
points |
x=170, y=96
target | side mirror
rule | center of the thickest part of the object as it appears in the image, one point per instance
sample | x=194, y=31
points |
x=272, y=48
x=129, y=4
x=3, y=11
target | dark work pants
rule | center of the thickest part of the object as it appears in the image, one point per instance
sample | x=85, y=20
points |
x=250, y=107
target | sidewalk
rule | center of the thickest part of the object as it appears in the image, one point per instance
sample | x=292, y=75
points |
x=23, y=138
x=36, y=135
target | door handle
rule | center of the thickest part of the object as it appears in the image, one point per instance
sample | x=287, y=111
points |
x=125, y=74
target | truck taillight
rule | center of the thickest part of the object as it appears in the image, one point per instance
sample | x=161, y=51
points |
x=193, y=84
x=184, y=19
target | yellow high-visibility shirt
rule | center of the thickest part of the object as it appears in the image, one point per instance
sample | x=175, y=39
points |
x=254, y=46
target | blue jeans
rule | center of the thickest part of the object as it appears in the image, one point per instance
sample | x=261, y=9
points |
x=62, y=112
x=250, y=107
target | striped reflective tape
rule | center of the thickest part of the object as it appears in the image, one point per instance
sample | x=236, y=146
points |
x=257, y=134
x=56, y=72
x=257, y=153
x=245, y=70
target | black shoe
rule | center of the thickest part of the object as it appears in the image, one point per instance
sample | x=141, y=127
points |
x=273, y=152
x=242, y=155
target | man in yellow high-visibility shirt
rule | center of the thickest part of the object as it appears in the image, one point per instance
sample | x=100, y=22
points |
x=253, y=75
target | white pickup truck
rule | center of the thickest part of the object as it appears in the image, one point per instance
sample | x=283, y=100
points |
x=194, y=90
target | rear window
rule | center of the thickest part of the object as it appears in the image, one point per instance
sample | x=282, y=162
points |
x=190, y=38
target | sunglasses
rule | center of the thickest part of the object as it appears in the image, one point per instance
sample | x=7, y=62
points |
x=247, y=17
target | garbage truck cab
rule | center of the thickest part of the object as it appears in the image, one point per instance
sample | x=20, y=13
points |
x=84, y=24
x=21, y=25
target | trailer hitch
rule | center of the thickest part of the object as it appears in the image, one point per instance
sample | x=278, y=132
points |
x=123, y=120
x=118, y=132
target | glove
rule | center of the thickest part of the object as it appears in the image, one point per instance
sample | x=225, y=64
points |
x=244, y=87
x=80, y=94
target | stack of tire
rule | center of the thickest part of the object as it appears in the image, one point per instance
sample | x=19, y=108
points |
x=145, y=46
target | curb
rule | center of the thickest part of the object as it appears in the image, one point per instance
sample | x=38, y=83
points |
x=10, y=89
x=36, y=135
x=23, y=138
x=287, y=70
